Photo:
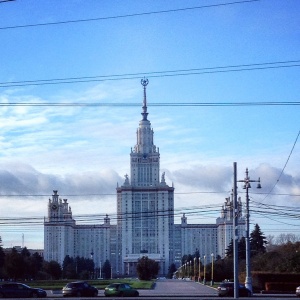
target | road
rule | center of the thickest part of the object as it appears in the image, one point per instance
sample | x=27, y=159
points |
x=179, y=289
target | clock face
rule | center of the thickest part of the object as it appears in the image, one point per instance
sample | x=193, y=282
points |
x=54, y=207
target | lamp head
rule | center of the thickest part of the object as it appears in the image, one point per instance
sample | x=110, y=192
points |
x=258, y=185
x=247, y=185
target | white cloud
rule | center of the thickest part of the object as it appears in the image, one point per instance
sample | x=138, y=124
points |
x=84, y=152
x=210, y=177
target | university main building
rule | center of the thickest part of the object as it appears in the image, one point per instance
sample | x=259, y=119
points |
x=145, y=219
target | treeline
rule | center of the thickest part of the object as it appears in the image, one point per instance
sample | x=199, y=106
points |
x=84, y=268
x=265, y=256
x=23, y=265
x=284, y=258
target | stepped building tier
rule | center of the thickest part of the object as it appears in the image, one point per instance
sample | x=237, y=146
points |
x=145, y=204
x=145, y=219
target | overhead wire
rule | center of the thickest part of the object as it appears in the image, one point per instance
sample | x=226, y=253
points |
x=155, y=74
x=128, y=15
x=275, y=213
x=282, y=211
x=114, y=194
x=287, y=160
x=24, y=224
x=264, y=216
x=146, y=213
x=189, y=72
x=169, y=104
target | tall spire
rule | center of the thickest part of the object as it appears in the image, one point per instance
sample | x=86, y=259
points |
x=144, y=83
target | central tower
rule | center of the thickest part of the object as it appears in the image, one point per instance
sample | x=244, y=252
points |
x=144, y=159
x=145, y=204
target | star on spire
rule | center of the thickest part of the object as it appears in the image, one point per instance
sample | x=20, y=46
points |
x=144, y=83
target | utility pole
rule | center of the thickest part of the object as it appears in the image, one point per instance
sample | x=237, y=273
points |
x=246, y=186
x=235, y=235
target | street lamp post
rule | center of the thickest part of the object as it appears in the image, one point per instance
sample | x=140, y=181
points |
x=194, y=268
x=187, y=269
x=191, y=269
x=212, y=269
x=199, y=277
x=246, y=186
x=100, y=270
x=204, y=262
x=92, y=258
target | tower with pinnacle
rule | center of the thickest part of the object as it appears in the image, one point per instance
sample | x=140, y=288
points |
x=145, y=204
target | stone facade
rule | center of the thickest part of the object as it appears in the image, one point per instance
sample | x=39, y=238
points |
x=145, y=219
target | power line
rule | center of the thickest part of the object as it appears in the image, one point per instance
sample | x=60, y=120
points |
x=283, y=211
x=147, y=214
x=156, y=74
x=274, y=213
x=273, y=206
x=280, y=222
x=153, y=104
x=128, y=15
x=169, y=104
x=284, y=166
x=114, y=194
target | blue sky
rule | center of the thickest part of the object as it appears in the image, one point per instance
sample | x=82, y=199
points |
x=85, y=150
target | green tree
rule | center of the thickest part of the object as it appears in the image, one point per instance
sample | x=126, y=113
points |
x=269, y=262
x=53, y=269
x=25, y=252
x=242, y=248
x=106, y=270
x=187, y=258
x=229, y=250
x=196, y=254
x=14, y=265
x=69, y=268
x=35, y=263
x=2, y=259
x=147, y=268
x=26, y=256
x=257, y=241
x=79, y=267
x=171, y=270
x=223, y=269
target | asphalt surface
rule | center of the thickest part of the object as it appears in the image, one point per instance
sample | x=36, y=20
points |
x=178, y=289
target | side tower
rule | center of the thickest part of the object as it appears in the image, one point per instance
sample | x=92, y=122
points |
x=225, y=224
x=58, y=230
x=145, y=204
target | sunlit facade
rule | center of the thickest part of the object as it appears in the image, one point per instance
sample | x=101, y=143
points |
x=145, y=219
x=145, y=204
